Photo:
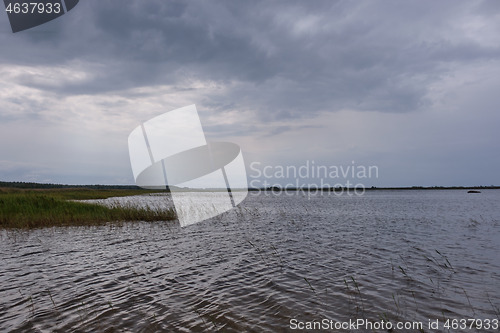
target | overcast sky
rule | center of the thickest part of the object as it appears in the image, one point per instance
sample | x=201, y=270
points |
x=412, y=87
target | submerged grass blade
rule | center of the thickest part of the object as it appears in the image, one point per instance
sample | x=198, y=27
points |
x=310, y=286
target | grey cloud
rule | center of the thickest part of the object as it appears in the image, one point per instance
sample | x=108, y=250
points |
x=291, y=57
x=280, y=63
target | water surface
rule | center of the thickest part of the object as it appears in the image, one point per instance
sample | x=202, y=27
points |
x=400, y=255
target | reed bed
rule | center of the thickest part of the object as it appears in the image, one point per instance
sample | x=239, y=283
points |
x=52, y=207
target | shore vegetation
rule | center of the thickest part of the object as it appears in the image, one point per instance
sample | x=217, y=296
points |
x=35, y=208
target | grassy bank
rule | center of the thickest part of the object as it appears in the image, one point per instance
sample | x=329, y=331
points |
x=32, y=208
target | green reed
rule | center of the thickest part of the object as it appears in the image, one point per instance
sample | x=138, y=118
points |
x=47, y=208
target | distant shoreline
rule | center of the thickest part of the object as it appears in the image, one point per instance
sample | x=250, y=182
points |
x=332, y=189
x=31, y=185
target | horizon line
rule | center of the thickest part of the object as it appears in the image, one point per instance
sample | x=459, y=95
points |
x=13, y=184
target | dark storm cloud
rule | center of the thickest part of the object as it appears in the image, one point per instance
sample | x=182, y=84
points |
x=287, y=78
x=285, y=58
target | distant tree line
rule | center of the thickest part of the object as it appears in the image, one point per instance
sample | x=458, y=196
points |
x=29, y=185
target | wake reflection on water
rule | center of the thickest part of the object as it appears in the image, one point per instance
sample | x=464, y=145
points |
x=400, y=255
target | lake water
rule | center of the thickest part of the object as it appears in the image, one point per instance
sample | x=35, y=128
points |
x=402, y=256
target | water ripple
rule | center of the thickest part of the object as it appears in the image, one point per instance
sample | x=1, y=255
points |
x=414, y=255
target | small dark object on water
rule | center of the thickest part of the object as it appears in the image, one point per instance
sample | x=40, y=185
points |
x=473, y=191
